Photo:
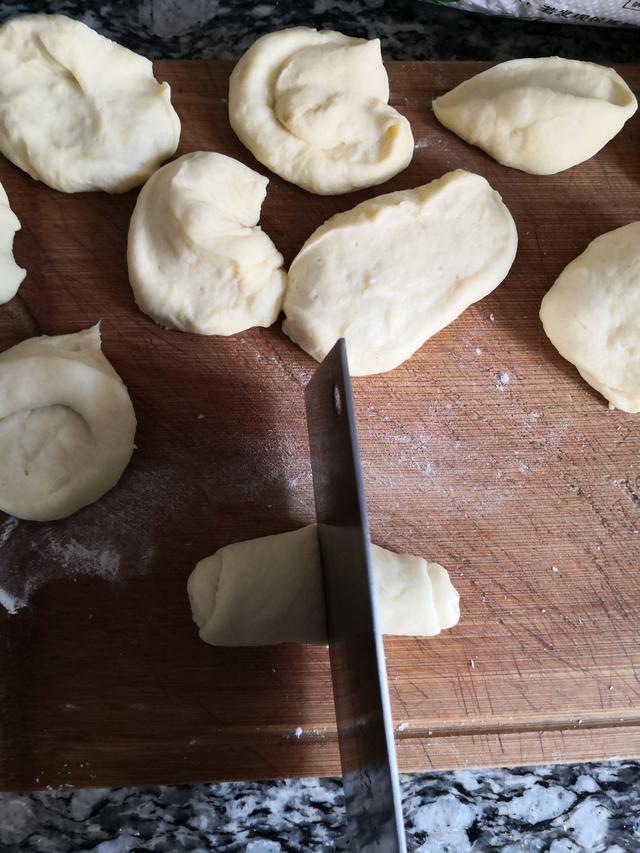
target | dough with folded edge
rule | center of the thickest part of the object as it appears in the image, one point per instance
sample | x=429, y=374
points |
x=66, y=425
x=393, y=271
x=11, y=275
x=539, y=115
x=269, y=590
x=198, y=261
x=78, y=111
x=592, y=315
x=313, y=107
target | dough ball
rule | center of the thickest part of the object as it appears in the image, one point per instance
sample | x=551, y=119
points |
x=66, y=425
x=269, y=590
x=11, y=275
x=313, y=107
x=79, y=111
x=396, y=269
x=198, y=261
x=539, y=115
x=592, y=315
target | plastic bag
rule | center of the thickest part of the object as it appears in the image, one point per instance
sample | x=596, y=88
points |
x=595, y=12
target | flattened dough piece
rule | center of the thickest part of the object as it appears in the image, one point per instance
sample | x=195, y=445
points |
x=592, y=315
x=198, y=261
x=539, y=115
x=269, y=590
x=313, y=107
x=396, y=269
x=66, y=425
x=78, y=111
x=11, y=275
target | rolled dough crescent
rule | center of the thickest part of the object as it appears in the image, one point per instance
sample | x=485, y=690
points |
x=198, y=260
x=592, y=315
x=78, y=111
x=269, y=590
x=539, y=115
x=66, y=425
x=394, y=270
x=11, y=275
x=313, y=107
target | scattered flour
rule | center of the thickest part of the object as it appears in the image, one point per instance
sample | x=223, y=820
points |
x=423, y=142
x=503, y=380
x=6, y=529
x=9, y=602
x=73, y=556
x=91, y=542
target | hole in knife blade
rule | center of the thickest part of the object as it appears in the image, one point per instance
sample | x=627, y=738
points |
x=337, y=401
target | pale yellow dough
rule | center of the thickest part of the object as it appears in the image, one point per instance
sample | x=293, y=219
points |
x=269, y=590
x=11, y=275
x=539, y=115
x=78, y=111
x=313, y=107
x=66, y=425
x=592, y=315
x=198, y=261
x=396, y=269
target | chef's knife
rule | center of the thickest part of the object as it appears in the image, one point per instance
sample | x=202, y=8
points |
x=361, y=695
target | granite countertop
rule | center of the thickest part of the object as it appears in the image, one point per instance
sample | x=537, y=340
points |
x=408, y=29
x=564, y=809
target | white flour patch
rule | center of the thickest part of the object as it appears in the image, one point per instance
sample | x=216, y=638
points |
x=74, y=557
x=10, y=604
x=503, y=380
x=6, y=529
x=120, y=536
x=423, y=142
x=92, y=542
x=558, y=431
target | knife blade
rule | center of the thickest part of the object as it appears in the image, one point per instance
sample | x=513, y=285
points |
x=358, y=670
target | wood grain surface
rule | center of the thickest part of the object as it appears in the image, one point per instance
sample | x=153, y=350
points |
x=103, y=680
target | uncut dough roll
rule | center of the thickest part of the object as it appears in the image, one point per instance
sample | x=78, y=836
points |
x=539, y=115
x=198, y=261
x=398, y=268
x=66, y=425
x=313, y=107
x=11, y=275
x=78, y=111
x=269, y=590
x=591, y=315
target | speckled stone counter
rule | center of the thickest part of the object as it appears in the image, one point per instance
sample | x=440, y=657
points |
x=566, y=809
x=409, y=29
x=591, y=807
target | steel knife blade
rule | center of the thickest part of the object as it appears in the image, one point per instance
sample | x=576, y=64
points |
x=358, y=670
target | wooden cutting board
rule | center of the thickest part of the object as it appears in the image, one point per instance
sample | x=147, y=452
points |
x=103, y=680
